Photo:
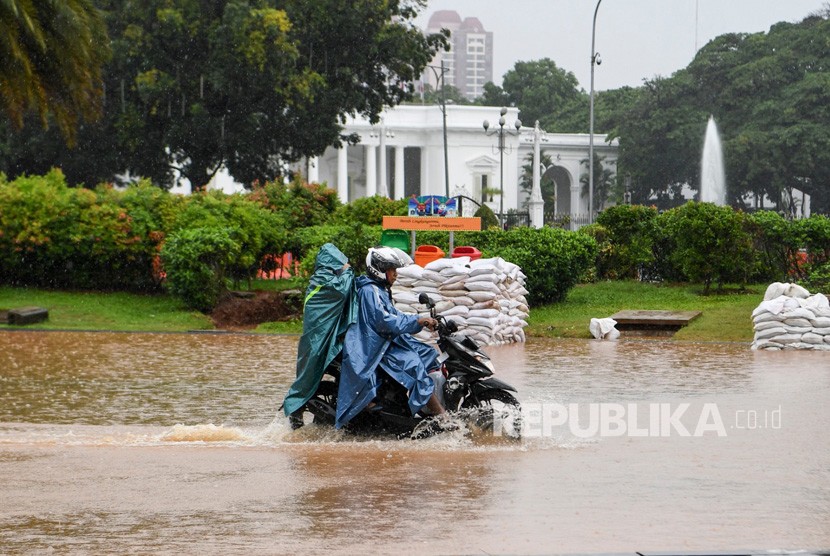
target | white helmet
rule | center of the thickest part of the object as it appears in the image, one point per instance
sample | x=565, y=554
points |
x=381, y=259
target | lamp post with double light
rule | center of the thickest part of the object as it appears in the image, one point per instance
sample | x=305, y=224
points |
x=502, y=133
x=595, y=61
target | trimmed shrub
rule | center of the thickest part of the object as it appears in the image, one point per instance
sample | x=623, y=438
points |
x=488, y=217
x=776, y=243
x=55, y=236
x=298, y=204
x=256, y=231
x=711, y=243
x=196, y=261
x=629, y=233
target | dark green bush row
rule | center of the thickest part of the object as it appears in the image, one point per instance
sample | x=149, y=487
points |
x=701, y=242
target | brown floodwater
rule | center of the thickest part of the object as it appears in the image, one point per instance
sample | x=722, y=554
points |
x=172, y=443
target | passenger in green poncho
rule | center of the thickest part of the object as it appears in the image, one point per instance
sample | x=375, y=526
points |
x=329, y=308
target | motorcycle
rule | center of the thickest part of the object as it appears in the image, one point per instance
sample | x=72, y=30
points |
x=470, y=392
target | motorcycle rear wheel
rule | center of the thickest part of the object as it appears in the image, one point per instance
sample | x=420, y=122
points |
x=496, y=411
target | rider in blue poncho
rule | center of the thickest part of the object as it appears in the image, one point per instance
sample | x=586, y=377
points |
x=381, y=338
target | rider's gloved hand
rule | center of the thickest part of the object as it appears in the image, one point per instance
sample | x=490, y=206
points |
x=428, y=322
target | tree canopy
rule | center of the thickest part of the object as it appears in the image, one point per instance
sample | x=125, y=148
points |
x=52, y=54
x=194, y=85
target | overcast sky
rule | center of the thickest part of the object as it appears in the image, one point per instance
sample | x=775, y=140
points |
x=636, y=39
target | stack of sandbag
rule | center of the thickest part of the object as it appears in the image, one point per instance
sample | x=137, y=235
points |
x=791, y=318
x=485, y=297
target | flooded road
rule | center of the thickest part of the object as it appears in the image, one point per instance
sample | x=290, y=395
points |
x=171, y=444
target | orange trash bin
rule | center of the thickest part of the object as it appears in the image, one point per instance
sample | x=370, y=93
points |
x=425, y=254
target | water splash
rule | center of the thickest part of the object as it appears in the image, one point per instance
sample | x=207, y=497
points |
x=712, y=173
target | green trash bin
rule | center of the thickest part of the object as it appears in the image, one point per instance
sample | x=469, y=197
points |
x=395, y=238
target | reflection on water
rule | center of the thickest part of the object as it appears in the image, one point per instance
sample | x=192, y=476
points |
x=168, y=444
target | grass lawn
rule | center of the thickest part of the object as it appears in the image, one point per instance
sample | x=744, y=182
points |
x=105, y=311
x=725, y=317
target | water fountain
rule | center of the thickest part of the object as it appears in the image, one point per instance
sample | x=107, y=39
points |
x=712, y=173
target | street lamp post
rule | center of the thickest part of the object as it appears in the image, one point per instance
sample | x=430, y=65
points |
x=501, y=132
x=595, y=60
x=440, y=78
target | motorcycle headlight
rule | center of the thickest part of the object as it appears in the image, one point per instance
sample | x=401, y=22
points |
x=486, y=363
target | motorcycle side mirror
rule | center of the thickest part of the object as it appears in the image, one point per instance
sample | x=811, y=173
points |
x=423, y=299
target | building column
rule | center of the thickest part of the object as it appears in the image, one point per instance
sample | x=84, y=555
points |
x=383, y=185
x=343, y=173
x=313, y=169
x=537, y=205
x=371, y=171
x=576, y=204
x=399, y=174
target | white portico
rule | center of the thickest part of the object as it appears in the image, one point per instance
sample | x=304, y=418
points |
x=403, y=155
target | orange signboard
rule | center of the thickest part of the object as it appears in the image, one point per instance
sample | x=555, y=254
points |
x=433, y=223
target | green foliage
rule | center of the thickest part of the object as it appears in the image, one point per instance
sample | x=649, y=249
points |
x=711, y=243
x=542, y=91
x=298, y=204
x=818, y=278
x=354, y=240
x=776, y=243
x=814, y=236
x=55, y=236
x=627, y=241
x=488, y=217
x=52, y=55
x=248, y=84
x=196, y=261
x=552, y=259
x=370, y=210
x=255, y=230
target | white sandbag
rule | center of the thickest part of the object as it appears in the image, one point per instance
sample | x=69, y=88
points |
x=770, y=333
x=454, y=271
x=432, y=290
x=481, y=321
x=492, y=261
x=798, y=323
x=490, y=304
x=455, y=310
x=788, y=338
x=405, y=297
x=405, y=308
x=439, y=264
x=776, y=289
x=453, y=294
x=482, y=287
x=822, y=331
x=822, y=312
x=482, y=269
x=811, y=338
x=604, y=329
x=454, y=286
x=411, y=271
x=820, y=322
x=765, y=316
x=484, y=313
x=798, y=313
x=794, y=290
x=767, y=325
x=432, y=275
x=798, y=329
x=463, y=300
x=428, y=283
x=816, y=301
x=492, y=278
x=442, y=306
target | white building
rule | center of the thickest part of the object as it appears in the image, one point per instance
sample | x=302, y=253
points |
x=403, y=155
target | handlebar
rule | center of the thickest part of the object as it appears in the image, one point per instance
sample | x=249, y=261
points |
x=445, y=327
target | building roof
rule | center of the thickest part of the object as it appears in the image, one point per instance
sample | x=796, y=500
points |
x=444, y=19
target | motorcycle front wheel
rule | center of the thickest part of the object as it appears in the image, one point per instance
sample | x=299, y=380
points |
x=321, y=408
x=495, y=411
